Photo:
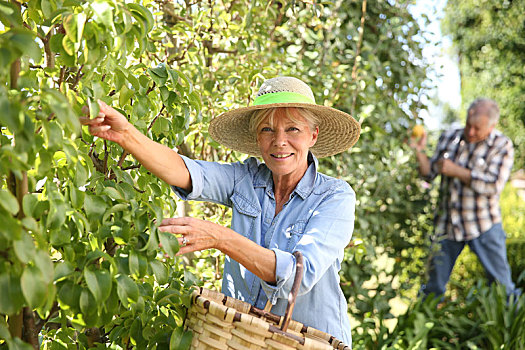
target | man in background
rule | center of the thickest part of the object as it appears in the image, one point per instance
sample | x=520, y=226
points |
x=474, y=163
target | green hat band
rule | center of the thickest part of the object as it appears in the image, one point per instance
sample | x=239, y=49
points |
x=282, y=97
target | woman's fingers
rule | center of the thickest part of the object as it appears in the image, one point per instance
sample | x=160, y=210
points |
x=175, y=229
x=88, y=121
x=95, y=129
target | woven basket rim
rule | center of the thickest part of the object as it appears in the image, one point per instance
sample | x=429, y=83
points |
x=214, y=300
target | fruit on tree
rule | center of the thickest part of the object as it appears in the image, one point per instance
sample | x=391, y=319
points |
x=418, y=131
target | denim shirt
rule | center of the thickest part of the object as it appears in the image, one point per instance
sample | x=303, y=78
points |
x=318, y=220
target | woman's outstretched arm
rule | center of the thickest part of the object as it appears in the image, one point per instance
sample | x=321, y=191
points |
x=162, y=161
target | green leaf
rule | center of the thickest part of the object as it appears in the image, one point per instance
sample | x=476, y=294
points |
x=159, y=75
x=4, y=331
x=19, y=344
x=45, y=265
x=24, y=248
x=76, y=196
x=169, y=242
x=10, y=228
x=113, y=193
x=140, y=12
x=138, y=265
x=31, y=224
x=24, y=40
x=10, y=14
x=125, y=95
x=58, y=237
x=87, y=302
x=9, y=202
x=160, y=271
x=69, y=295
x=34, y=286
x=29, y=204
x=180, y=339
x=99, y=283
x=95, y=207
x=62, y=270
x=127, y=290
x=54, y=135
x=11, y=298
x=69, y=46
x=48, y=7
x=59, y=104
x=103, y=13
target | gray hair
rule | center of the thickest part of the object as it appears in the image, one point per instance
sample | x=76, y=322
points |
x=484, y=106
x=291, y=112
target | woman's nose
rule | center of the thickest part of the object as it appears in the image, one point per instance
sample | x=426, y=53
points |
x=279, y=138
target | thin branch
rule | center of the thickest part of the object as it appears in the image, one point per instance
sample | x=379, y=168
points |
x=156, y=117
x=62, y=75
x=77, y=78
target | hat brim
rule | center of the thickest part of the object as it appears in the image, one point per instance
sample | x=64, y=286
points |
x=338, y=131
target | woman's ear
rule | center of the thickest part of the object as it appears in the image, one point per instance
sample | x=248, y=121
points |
x=315, y=133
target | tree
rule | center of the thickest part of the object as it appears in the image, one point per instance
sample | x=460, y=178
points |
x=490, y=41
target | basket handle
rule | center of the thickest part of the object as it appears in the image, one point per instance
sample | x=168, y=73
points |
x=295, y=290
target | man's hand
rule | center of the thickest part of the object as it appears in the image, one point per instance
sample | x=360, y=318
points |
x=418, y=144
x=109, y=123
x=449, y=168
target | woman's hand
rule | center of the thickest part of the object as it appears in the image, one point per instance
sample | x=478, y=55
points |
x=109, y=123
x=193, y=234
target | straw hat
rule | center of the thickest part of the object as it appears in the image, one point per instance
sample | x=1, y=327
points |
x=338, y=131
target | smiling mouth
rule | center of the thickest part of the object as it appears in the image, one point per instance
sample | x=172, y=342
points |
x=282, y=156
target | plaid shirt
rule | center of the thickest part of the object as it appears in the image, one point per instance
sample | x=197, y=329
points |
x=466, y=211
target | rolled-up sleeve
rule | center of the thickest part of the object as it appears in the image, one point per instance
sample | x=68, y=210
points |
x=322, y=244
x=211, y=181
x=491, y=178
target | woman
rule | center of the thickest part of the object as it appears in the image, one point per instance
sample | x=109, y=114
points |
x=279, y=206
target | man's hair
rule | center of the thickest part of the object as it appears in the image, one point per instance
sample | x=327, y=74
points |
x=484, y=106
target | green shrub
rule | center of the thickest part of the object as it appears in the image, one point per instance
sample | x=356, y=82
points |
x=483, y=321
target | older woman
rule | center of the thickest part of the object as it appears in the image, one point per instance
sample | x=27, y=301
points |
x=279, y=206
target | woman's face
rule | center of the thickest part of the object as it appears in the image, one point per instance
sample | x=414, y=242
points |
x=284, y=144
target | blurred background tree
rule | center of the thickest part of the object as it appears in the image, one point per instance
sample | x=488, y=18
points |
x=489, y=38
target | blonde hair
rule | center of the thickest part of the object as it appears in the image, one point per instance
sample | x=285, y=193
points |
x=293, y=113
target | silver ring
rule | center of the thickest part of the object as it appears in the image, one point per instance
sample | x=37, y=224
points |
x=185, y=241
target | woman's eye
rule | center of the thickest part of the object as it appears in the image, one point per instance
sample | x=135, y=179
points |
x=266, y=129
x=293, y=128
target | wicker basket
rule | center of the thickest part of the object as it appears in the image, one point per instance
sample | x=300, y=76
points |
x=221, y=322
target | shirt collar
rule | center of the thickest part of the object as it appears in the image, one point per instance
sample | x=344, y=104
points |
x=303, y=188
x=491, y=138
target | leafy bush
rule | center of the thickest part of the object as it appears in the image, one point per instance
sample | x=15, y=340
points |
x=483, y=321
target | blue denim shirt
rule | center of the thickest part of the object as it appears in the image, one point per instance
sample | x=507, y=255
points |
x=317, y=220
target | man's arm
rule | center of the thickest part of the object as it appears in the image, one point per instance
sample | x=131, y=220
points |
x=419, y=146
x=491, y=178
x=449, y=168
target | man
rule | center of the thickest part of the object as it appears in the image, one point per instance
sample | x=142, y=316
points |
x=474, y=163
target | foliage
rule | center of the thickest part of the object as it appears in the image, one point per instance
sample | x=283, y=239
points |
x=484, y=321
x=490, y=40
x=513, y=212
